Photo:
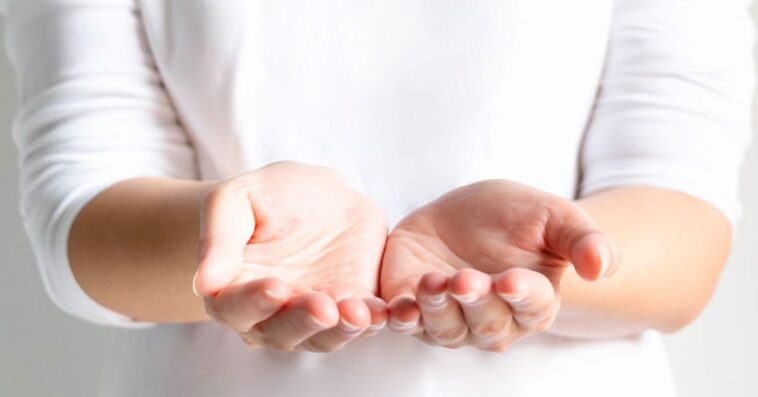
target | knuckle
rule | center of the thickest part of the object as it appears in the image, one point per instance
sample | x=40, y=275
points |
x=278, y=345
x=532, y=320
x=430, y=340
x=259, y=335
x=215, y=309
x=498, y=347
x=449, y=337
x=454, y=346
x=251, y=339
x=218, y=310
x=317, y=347
x=544, y=325
x=492, y=328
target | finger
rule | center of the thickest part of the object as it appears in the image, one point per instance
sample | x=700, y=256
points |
x=378, y=309
x=531, y=297
x=441, y=316
x=226, y=226
x=488, y=317
x=572, y=234
x=403, y=264
x=399, y=291
x=241, y=306
x=355, y=318
x=376, y=306
x=404, y=315
x=302, y=317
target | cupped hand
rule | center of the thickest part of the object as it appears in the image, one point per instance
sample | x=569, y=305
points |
x=289, y=258
x=481, y=265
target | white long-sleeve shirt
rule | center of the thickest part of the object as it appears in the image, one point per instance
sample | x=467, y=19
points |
x=407, y=100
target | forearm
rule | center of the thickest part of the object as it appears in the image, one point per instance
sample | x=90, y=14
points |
x=133, y=248
x=673, y=246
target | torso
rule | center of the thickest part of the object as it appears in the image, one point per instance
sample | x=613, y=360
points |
x=407, y=100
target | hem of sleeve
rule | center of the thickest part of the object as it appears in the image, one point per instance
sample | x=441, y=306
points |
x=704, y=184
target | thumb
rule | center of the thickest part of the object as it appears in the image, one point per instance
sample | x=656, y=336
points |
x=572, y=234
x=226, y=226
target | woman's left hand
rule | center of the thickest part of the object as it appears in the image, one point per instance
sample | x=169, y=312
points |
x=481, y=266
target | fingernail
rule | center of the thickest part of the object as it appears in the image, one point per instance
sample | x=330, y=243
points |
x=317, y=324
x=515, y=299
x=404, y=325
x=434, y=301
x=605, y=260
x=394, y=300
x=468, y=299
x=349, y=327
x=194, y=288
x=377, y=327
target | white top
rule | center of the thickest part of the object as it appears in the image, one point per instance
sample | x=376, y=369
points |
x=407, y=99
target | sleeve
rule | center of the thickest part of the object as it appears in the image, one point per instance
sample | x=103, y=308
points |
x=93, y=112
x=674, y=105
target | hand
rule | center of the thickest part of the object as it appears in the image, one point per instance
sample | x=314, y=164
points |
x=289, y=258
x=482, y=265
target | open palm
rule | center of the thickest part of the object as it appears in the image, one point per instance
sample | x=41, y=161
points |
x=482, y=264
x=288, y=251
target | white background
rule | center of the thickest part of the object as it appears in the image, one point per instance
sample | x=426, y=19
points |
x=45, y=353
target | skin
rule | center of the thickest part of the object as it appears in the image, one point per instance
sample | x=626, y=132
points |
x=294, y=268
x=135, y=247
x=482, y=265
x=288, y=257
x=455, y=276
x=674, y=249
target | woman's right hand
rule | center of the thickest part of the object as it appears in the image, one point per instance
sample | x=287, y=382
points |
x=289, y=258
